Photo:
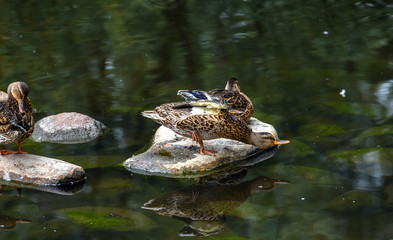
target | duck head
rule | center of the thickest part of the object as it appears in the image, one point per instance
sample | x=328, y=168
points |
x=19, y=92
x=232, y=85
x=265, y=140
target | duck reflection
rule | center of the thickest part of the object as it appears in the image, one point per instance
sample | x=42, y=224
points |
x=8, y=223
x=203, y=207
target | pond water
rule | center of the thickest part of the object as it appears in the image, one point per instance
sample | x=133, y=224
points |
x=320, y=71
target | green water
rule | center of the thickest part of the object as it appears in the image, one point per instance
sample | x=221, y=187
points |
x=111, y=60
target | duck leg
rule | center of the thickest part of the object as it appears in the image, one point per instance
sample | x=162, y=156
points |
x=195, y=137
x=19, y=147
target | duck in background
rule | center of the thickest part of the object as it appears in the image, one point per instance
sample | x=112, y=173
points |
x=16, y=116
x=238, y=103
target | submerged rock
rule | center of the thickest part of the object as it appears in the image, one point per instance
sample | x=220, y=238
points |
x=38, y=170
x=67, y=128
x=108, y=218
x=352, y=200
x=173, y=155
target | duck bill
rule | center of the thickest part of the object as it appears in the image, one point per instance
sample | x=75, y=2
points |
x=21, y=106
x=277, y=182
x=281, y=142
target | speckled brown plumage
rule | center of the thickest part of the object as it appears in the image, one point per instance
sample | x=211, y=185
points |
x=239, y=104
x=16, y=116
x=204, y=123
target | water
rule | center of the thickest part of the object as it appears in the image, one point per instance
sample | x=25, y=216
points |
x=320, y=72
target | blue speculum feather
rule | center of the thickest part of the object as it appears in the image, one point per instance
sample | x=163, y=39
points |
x=198, y=95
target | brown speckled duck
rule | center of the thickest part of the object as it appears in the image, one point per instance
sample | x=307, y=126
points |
x=16, y=116
x=208, y=119
x=239, y=104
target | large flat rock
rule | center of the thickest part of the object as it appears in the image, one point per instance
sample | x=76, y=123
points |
x=173, y=155
x=39, y=170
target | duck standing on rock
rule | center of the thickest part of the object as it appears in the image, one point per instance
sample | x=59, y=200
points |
x=16, y=116
x=205, y=117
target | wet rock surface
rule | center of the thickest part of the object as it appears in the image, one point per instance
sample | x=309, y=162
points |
x=173, y=155
x=67, y=128
x=39, y=170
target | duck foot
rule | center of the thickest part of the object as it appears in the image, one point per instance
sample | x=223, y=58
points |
x=6, y=152
x=207, y=152
x=195, y=137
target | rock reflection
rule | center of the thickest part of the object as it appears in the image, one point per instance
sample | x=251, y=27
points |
x=8, y=223
x=203, y=207
x=71, y=188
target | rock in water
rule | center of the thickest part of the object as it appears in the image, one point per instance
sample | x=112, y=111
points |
x=67, y=128
x=28, y=168
x=173, y=155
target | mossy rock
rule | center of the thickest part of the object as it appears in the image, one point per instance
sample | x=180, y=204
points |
x=302, y=174
x=297, y=149
x=322, y=130
x=18, y=207
x=54, y=229
x=375, y=136
x=376, y=162
x=351, y=201
x=369, y=110
x=324, y=134
x=106, y=218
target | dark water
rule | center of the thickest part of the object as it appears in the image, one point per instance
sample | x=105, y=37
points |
x=110, y=60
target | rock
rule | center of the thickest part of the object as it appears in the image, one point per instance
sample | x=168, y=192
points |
x=352, y=200
x=375, y=162
x=67, y=128
x=38, y=170
x=108, y=218
x=173, y=155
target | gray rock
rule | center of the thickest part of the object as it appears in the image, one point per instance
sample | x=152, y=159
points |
x=173, y=155
x=38, y=170
x=67, y=128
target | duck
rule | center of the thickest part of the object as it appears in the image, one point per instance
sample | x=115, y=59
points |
x=8, y=223
x=209, y=119
x=203, y=207
x=16, y=116
x=239, y=104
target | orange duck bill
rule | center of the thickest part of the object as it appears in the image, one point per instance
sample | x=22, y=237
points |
x=281, y=142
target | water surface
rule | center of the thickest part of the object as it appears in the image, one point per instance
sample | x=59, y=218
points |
x=321, y=72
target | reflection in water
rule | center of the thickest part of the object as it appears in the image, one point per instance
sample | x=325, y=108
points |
x=237, y=170
x=17, y=188
x=8, y=223
x=203, y=207
x=62, y=189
